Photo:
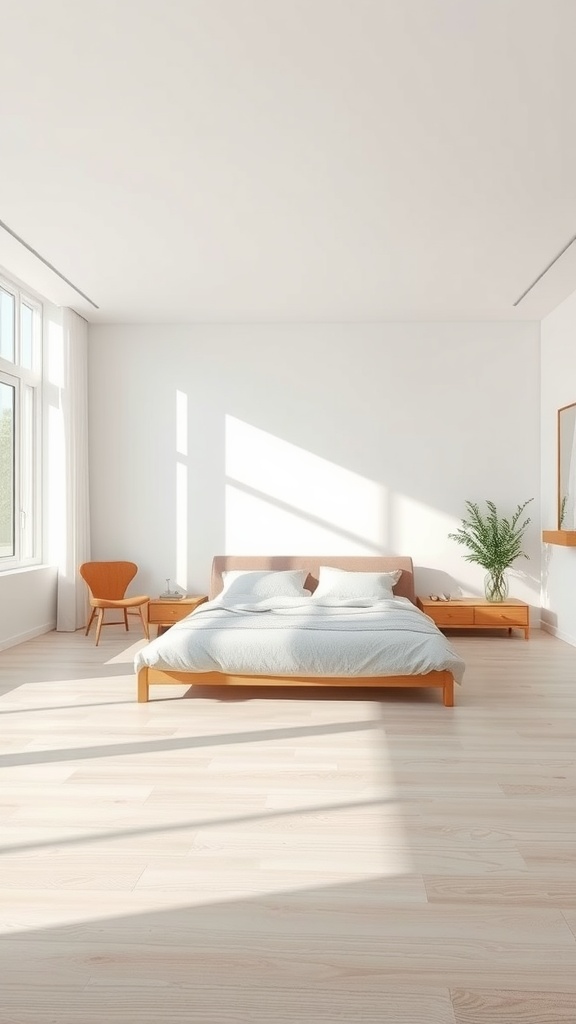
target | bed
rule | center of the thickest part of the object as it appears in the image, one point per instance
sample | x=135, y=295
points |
x=315, y=639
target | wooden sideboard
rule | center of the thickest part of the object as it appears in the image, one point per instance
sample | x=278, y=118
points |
x=477, y=613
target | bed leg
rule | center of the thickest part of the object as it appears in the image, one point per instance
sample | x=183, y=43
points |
x=448, y=694
x=143, y=687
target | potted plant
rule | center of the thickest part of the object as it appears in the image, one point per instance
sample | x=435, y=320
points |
x=494, y=542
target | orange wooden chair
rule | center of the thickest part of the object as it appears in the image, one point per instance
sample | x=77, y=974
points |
x=107, y=583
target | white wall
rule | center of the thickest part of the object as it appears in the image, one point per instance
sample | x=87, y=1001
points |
x=27, y=604
x=558, y=332
x=310, y=438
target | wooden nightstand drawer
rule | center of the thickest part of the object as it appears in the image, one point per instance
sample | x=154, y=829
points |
x=166, y=613
x=500, y=615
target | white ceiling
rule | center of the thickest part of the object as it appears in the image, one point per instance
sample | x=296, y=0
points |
x=273, y=160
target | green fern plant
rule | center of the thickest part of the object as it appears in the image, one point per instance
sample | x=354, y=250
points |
x=493, y=541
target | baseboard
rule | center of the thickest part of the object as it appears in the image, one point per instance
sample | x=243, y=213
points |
x=21, y=638
x=559, y=634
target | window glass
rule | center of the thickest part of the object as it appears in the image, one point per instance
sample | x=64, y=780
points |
x=7, y=439
x=20, y=427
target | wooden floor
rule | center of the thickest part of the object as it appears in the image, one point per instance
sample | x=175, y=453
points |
x=293, y=857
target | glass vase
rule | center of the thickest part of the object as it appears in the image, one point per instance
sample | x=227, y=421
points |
x=496, y=586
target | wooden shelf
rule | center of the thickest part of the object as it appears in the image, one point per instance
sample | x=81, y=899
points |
x=567, y=538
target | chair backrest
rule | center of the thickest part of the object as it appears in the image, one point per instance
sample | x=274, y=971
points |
x=108, y=580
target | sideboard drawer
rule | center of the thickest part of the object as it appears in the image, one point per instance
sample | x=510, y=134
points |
x=501, y=615
x=449, y=615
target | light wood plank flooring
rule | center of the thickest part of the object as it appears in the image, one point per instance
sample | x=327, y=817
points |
x=273, y=858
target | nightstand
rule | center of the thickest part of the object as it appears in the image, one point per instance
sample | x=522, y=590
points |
x=476, y=613
x=164, y=613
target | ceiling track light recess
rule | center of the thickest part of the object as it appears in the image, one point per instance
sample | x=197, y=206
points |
x=47, y=264
x=545, y=271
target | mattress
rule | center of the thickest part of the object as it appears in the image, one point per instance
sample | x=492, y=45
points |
x=304, y=637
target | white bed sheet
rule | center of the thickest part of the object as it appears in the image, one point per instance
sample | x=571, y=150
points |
x=304, y=637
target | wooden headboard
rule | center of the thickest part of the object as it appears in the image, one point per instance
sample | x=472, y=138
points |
x=312, y=563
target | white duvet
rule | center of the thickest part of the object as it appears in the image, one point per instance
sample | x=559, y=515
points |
x=304, y=637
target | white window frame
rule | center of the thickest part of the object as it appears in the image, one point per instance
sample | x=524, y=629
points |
x=13, y=373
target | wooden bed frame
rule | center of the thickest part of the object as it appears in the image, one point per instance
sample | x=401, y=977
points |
x=404, y=588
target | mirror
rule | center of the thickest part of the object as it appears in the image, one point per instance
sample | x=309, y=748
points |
x=567, y=467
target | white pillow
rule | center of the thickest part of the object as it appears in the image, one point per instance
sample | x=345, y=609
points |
x=262, y=584
x=343, y=584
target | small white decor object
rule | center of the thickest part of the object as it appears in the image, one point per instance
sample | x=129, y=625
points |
x=170, y=595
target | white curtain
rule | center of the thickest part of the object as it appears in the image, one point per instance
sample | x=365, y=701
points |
x=75, y=547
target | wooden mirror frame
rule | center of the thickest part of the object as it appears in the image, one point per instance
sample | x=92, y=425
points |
x=566, y=538
x=564, y=409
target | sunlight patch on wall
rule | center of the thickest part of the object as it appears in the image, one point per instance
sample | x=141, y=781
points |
x=419, y=529
x=281, y=497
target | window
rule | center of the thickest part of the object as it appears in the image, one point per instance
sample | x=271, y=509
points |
x=20, y=396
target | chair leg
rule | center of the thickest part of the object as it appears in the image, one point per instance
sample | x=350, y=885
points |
x=126, y=618
x=99, y=625
x=90, y=622
x=144, y=622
